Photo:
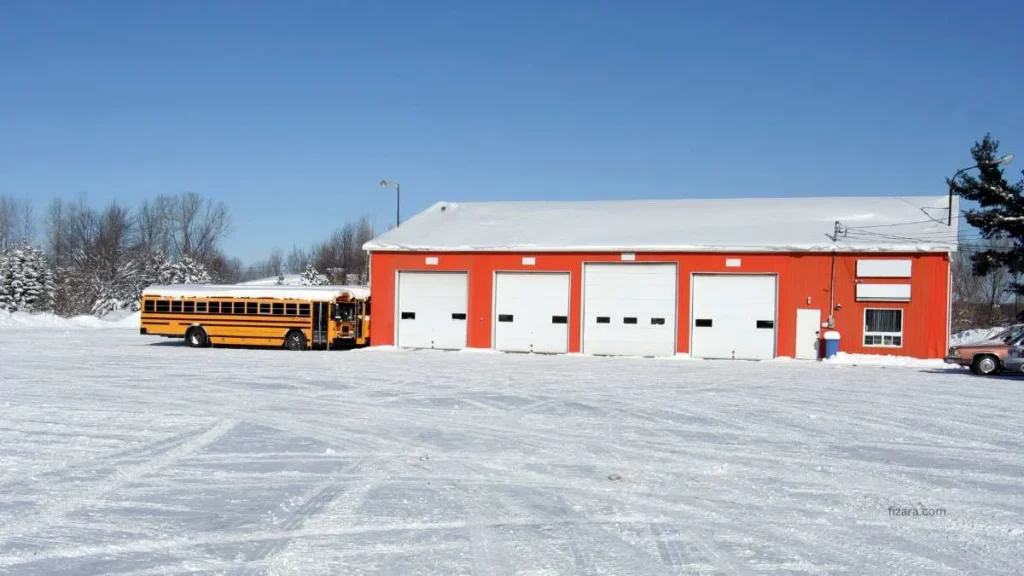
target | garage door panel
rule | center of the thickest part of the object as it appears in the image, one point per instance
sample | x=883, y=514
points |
x=629, y=309
x=733, y=316
x=531, y=312
x=432, y=310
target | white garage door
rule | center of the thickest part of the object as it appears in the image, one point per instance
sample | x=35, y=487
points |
x=629, y=309
x=531, y=312
x=432, y=310
x=733, y=317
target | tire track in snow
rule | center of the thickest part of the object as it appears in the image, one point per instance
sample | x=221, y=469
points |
x=322, y=497
x=152, y=546
x=65, y=503
x=107, y=460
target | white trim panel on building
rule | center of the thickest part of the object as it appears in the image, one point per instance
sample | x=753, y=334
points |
x=531, y=312
x=733, y=316
x=629, y=309
x=431, y=310
x=883, y=292
x=883, y=268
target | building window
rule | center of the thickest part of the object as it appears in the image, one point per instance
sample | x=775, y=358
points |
x=883, y=327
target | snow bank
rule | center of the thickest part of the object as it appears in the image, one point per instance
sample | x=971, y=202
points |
x=974, y=335
x=24, y=320
x=842, y=358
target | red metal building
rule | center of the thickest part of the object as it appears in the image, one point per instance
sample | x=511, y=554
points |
x=738, y=278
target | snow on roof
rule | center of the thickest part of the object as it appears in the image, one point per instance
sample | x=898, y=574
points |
x=905, y=224
x=243, y=291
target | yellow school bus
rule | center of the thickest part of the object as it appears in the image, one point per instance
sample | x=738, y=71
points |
x=292, y=317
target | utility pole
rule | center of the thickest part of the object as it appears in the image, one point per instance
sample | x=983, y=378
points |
x=398, y=199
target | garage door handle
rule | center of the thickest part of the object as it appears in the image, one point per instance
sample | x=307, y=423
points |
x=766, y=324
x=505, y=318
x=408, y=315
x=458, y=315
x=559, y=319
x=702, y=322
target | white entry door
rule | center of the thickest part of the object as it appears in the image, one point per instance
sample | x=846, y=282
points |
x=531, y=312
x=432, y=310
x=629, y=309
x=808, y=327
x=733, y=316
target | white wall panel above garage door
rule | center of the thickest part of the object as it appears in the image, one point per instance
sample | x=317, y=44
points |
x=531, y=312
x=629, y=309
x=733, y=316
x=432, y=310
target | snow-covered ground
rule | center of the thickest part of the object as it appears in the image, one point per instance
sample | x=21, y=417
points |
x=126, y=454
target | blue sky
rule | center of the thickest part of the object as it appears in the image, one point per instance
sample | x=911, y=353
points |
x=292, y=112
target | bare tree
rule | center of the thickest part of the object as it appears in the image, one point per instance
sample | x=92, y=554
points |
x=152, y=223
x=275, y=263
x=297, y=260
x=981, y=301
x=197, y=225
x=16, y=221
x=56, y=235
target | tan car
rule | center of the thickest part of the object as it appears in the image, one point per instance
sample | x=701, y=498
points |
x=989, y=356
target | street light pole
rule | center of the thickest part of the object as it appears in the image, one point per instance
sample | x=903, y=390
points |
x=1001, y=160
x=398, y=199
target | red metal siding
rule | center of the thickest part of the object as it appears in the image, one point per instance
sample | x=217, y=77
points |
x=800, y=276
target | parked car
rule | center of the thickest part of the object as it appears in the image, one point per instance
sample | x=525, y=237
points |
x=987, y=357
x=1014, y=359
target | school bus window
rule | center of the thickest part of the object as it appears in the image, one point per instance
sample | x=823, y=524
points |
x=190, y=306
x=239, y=307
x=290, y=309
x=278, y=308
x=303, y=309
x=251, y=308
x=214, y=307
x=201, y=307
x=264, y=308
x=176, y=306
x=149, y=306
x=163, y=306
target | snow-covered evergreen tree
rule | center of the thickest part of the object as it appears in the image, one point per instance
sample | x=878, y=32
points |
x=121, y=289
x=26, y=280
x=310, y=277
x=184, y=271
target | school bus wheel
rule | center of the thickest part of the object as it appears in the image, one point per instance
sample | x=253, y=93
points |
x=295, y=340
x=196, y=337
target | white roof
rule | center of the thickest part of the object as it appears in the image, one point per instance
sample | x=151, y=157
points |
x=243, y=291
x=905, y=224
